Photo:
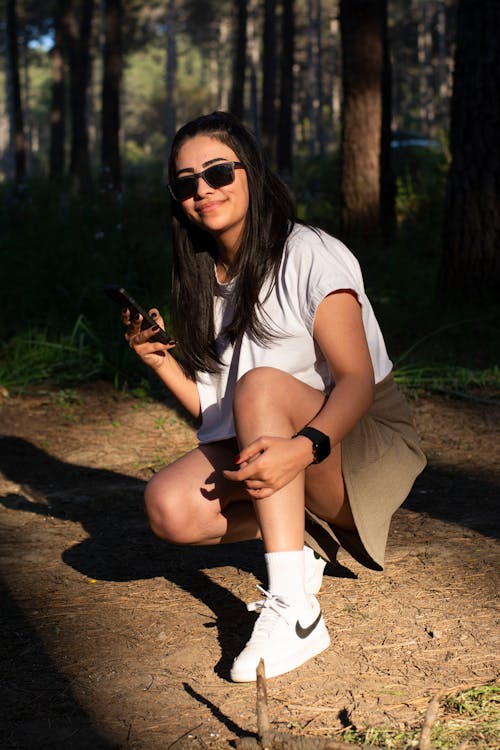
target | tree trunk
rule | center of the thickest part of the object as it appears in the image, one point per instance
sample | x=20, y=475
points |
x=387, y=181
x=284, y=151
x=362, y=29
x=426, y=80
x=320, y=119
x=222, y=82
x=170, y=73
x=254, y=66
x=332, y=84
x=58, y=99
x=237, y=102
x=470, y=263
x=311, y=80
x=111, y=81
x=442, y=67
x=79, y=62
x=18, y=139
x=268, y=120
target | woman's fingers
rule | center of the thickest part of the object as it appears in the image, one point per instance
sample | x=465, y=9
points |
x=267, y=465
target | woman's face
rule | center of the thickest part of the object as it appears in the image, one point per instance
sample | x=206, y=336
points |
x=219, y=211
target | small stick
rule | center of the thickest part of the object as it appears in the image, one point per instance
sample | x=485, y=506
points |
x=263, y=723
x=430, y=718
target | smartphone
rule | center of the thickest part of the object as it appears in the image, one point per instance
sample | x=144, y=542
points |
x=124, y=299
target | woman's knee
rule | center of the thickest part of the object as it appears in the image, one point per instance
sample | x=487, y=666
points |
x=258, y=386
x=267, y=390
x=168, y=513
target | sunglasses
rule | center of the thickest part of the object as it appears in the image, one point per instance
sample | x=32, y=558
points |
x=217, y=176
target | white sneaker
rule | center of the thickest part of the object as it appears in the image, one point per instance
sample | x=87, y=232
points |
x=314, y=566
x=285, y=636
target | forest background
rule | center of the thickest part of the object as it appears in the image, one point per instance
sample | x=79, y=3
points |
x=381, y=115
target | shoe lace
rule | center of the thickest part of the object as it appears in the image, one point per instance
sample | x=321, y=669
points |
x=271, y=609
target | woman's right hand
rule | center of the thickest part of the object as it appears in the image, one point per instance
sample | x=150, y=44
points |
x=152, y=353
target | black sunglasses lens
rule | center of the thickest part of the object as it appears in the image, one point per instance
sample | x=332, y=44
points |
x=183, y=188
x=219, y=175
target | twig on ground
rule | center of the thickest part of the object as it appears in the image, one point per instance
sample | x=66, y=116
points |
x=430, y=718
x=269, y=740
x=263, y=723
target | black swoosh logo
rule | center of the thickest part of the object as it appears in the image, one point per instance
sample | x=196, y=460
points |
x=304, y=632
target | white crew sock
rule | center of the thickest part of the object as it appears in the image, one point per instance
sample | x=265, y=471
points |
x=285, y=574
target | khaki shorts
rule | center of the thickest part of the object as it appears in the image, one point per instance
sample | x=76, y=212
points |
x=381, y=459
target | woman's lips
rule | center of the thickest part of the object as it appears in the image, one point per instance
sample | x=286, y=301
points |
x=208, y=207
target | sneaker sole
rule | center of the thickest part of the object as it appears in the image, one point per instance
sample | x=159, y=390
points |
x=315, y=646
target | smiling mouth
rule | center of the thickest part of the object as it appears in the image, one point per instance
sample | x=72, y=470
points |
x=207, y=207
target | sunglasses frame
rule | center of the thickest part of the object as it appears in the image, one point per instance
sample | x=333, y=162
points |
x=196, y=176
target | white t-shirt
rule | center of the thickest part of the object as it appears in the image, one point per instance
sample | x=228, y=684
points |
x=314, y=264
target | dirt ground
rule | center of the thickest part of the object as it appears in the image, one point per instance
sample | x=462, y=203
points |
x=114, y=639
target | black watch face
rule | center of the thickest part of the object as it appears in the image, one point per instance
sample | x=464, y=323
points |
x=320, y=441
x=322, y=449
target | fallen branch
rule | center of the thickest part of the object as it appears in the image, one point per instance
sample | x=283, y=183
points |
x=430, y=718
x=270, y=740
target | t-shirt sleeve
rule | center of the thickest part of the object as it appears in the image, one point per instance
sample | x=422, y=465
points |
x=315, y=266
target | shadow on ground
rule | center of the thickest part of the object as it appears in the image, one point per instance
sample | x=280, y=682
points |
x=43, y=712
x=120, y=547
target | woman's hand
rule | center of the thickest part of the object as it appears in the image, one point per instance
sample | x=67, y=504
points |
x=151, y=352
x=269, y=463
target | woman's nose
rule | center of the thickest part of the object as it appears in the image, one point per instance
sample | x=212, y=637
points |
x=202, y=187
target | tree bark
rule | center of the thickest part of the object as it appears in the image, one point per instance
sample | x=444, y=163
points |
x=362, y=29
x=253, y=64
x=170, y=73
x=111, y=82
x=312, y=73
x=426, y=79
x=387, y=180
x=268, y=120
x=319, y=82
x=58, y=98
x=79, y=63
x=284, y=151
x=237, y=102
x=18, y=139
x=470, y=265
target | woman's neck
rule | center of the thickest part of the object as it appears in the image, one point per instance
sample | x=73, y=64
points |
x=225, y=271
x=226, y=261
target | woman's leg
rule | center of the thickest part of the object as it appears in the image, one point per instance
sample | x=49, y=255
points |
x=191, y=502
x=290, y=629
x=271, y=402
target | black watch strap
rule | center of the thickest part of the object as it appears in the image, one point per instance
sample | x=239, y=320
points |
x=320, y=441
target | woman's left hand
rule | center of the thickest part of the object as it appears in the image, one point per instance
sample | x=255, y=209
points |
x=269, y=463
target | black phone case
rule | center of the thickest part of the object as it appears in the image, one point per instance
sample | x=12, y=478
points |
x=120, y=295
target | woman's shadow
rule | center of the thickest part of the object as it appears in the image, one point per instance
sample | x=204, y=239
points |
x=120, y=545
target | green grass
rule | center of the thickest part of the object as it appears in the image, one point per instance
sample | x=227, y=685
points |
x=34, y=357
x=471, y=717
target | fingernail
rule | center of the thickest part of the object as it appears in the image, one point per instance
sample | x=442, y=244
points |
x=154, y=315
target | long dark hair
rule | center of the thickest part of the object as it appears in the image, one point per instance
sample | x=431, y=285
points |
x=269, y=221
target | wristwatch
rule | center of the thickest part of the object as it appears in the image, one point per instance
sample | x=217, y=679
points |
x=320, y=441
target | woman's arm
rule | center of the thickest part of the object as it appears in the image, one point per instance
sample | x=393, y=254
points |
x=158, y=357
x=340, y=334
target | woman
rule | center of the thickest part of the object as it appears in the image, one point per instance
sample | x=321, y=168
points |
x=303, y=435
